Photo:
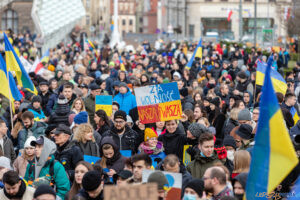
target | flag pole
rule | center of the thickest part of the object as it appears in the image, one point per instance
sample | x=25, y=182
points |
x=10, y=101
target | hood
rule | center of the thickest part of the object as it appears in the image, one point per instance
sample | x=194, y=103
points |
x=62, y=109
x=48, y=149
x=108, y=140
x=242, y=179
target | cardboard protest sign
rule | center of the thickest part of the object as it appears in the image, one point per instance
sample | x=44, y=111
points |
x=137, y=192
x=104, y=103
x=186, y=157
x=175, y=183
x=158, y=103
x=91, y=159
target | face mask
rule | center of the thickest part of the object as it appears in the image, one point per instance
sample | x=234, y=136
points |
x=189, y=197
x=239, y=196
x=202, y=154
x=230, y=155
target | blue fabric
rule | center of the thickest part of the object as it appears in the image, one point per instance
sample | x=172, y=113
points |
x=126, y=101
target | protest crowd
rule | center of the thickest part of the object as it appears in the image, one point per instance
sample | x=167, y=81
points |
x=56, y=144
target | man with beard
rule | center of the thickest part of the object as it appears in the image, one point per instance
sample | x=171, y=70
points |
x=31, y=128
x=122, y=134
x=215, y=183
x=15, y=187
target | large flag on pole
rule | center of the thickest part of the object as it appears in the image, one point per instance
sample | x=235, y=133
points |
x=197, y=54
x=278, y=81
x=8, y=89
x=14, y=64
x=273, y=155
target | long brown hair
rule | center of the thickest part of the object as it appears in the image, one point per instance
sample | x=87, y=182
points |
x=75, y=186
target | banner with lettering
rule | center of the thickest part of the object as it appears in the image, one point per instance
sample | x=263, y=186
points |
x=158, y=103
x=105, y=103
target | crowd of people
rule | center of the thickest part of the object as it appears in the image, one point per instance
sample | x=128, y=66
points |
x=45, y=137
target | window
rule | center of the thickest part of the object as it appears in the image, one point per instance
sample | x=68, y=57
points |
x=141, y=30
x=130, y=22
x=87, y=4
x=123, y=22
x=141, y=20
x=191, y=30
x=10, y=20
x=87, y=20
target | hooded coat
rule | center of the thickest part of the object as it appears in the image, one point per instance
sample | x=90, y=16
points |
x=40, y=167
x=60, y=115
x=117, y=162
x=126, y=101
x=199, y=165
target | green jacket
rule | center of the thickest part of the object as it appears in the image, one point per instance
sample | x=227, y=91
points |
x=41, y=168
x=37, y=129
x=199, y=165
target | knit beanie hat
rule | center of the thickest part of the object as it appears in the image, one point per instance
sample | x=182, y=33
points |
x=91, y=180
x=229, y=141
x=28, y=141
x=245, y=131
x=159, y=178
x=197, y=129
x=197, y=185
x=44, y=189
x=81, y=118
x=215, y=101
x=244, y=115
x=36, y=99
x=62, y=100
x=149, y=133
x=120, y=114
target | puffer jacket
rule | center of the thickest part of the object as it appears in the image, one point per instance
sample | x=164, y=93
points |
x=117, y=162
x=126, y=101
x=8, y=149
x=129, y=140
x=37, y=129
x=41, y=168
x=174, y=142
x=60, y=115
x=198, y=166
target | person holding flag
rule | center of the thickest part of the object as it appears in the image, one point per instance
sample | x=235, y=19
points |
x=197, y=54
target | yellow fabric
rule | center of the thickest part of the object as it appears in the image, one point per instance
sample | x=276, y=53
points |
x=149, y=133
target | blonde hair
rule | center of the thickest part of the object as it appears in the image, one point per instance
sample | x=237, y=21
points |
x=82, y=103
x=80, y=132
x=234, y=113
x=206, y=122
x=242, y=161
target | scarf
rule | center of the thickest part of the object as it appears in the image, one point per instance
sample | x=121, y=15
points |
x=20, y=193
x=151, y=150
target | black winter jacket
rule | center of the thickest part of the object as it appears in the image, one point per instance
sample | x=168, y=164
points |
x=60, y=115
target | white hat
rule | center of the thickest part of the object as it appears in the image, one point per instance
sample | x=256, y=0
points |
x=28, y=141
x=5, y=162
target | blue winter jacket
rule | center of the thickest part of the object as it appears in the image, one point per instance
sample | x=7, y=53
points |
x=126, y=101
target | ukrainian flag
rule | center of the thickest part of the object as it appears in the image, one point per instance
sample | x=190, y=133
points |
x=295, y=115
x=197, y=54
x=8, y=89
x=14, y=65
x=122, y=66
x=90, y=44
x=278, y=81
x=273, y=155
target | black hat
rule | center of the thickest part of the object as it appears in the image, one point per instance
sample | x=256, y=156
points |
x=116, y=104
x=83, y=86
x=44, y=83
x=197, y=185
x=245, y=131
x=215, y=101
x=62, y=100
x=242, y=179
x=62, y=128
x=229, y=141
x=94, y=86
x=124, y=174
x=39, y=140
x=36, y=99
x=242, y=75
x=44, y=189
x=120, y=114
x=184, y=92
x=91, y=180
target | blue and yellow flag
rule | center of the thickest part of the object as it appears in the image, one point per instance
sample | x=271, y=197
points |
x=8, y=89
x=122, y=66
x=14, y=64
x=295, y=115
x=278, y=81
x=197, y=54
x=273, y=155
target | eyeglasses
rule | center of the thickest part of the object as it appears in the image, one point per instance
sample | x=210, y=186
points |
x=255, y=113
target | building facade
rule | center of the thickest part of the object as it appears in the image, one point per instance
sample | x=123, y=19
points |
x=211, y=16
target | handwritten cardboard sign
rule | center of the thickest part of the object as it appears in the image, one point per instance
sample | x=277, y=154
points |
x=174, y=186
x=137, y=192
x=158, y=103
x=104, y=103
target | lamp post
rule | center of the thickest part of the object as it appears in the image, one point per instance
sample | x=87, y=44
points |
x=115, y=34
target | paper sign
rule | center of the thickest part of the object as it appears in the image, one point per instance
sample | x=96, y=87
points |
x=91, y=159
x=174, y=180
x=126, y=153
x=158, y=103
x=186, y=156
x=104, y=103
x=137, y=192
